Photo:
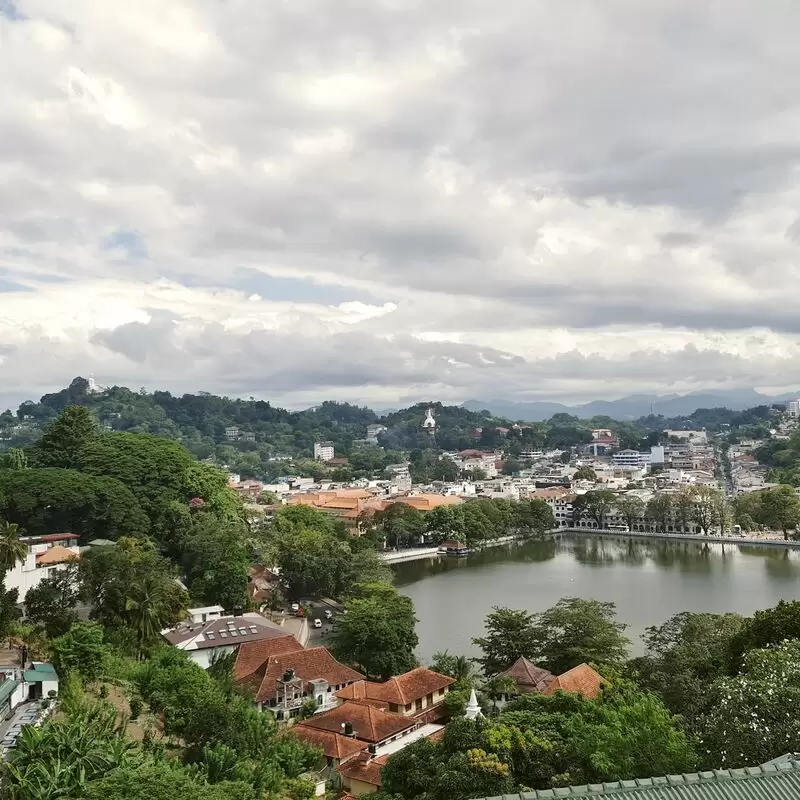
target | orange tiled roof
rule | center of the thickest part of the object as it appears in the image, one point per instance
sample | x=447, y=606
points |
x=365, y=768
x=527, y=675
x=578, y=680
x=369, y=724
x=401, y=690
x=55, y=555
x=316, y=663
x=252, y=655
x=334, y=745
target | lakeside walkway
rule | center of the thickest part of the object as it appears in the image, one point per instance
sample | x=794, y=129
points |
x=420, y=553
x=680, y=537
x=392, y=557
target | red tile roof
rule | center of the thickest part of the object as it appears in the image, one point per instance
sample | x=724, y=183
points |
x=55, y=555
x=369, y=724
x=334, y=745
x=365, y=768
x=253, y=655
x=401, y=690
x=309, y=665
x=579, y=680
x=528, y=676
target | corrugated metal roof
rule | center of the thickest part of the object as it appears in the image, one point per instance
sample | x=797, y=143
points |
x=776, y=780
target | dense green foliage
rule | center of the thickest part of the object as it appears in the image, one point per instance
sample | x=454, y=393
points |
x=538, y=742
x=377, y=634
x=572, y=632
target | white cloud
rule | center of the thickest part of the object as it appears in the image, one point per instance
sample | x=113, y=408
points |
x=410, y=199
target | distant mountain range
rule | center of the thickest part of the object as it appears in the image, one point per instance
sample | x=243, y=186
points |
x=631, y=407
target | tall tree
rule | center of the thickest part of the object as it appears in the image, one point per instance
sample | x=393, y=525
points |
x=52, y=603
x=599, y=504
x=659, y=510
x=574, y=631
x=510, y=633
x=780, y=508
x=63, y=442
x=377, y=633
x=631, y=508
x=15, y=458
x=705, y=506
x=12, y=549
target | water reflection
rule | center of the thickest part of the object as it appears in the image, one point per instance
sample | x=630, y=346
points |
x=648, y=580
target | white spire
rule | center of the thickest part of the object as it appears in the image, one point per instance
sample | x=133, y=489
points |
x=473, y=709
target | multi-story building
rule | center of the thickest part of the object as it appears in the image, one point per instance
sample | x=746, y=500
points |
x=630, y=459
x=232, y=433
x=323, y=451
x=46, y=555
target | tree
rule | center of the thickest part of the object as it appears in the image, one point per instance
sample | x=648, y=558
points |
x=63, y=500
x=705, y=505
x=313, y=564
x=683, y=656
x=401, y=524
x=598, y=505
x=659, y=511
x=132, y=590
x=12, y=549
x=81, y=650
x=458, y=667
x=510, y=633
x=15, y=458
x=585, y=473
x=631, y=508
x=377, y=632
x=780, y=508
x=683, y=507
x=575, y=631
x=52, y=603
x=532, y=517
x=750, y=720
x=766, y=628
x=64, y=441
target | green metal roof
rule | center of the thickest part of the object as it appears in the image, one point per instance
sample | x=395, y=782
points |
x=40, y=671
x=776, y=780
x=6, y=689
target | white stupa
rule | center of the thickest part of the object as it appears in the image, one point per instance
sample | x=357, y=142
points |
x=429, y=423
x=473, y=709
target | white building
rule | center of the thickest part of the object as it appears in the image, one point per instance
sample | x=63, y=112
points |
x=46, y=555
x=630, y=459
x=323, y=451
x=374, y=431
x=429, y=423
x=203, y=641
x=231, y=433
x=657, y=454
x=794, y=408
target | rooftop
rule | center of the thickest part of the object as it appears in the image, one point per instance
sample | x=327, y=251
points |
x=527, y=674
x=775, y=780
x=401, y=690
x=369, y=724
x=578, y=680
x=222, y=632
x=334, y=745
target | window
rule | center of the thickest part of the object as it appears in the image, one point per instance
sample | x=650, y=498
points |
x=429, y=698
x=408, y=707
x=253, y=629
x=233, y=632
x=223, y=634
x=243, y=631
x=393, y=708
x=418, y=705
x=441, y=692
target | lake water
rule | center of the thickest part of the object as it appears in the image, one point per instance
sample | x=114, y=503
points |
x=648, y=580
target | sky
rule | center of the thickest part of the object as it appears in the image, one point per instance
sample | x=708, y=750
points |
x=387, y=201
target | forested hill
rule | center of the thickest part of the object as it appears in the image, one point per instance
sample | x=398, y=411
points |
x=256, y=438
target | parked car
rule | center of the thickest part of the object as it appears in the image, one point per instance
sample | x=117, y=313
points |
x=295, y=607
x=317, y=623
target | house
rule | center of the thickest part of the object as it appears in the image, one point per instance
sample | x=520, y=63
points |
x=323, y=451
x=527, y=676
x=361, y=775
x=46, y=555
x=418, y=694
x=779, y=778
x=531, y=678
x=581, y=680
x=19, y=685
x=220, y=635
x=336, y=748
x=282, y=678
x=363, y=722
x=231, y=433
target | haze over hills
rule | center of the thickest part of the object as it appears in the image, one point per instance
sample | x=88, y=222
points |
x=632, y=406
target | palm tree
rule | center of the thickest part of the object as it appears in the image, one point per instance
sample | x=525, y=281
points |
x=12, y=549
x=147, y=607
x=463, y=668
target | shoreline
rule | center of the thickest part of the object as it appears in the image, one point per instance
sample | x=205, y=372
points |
x=421, y=553
x=681, y=537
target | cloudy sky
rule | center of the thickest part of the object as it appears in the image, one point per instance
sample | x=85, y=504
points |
x=384, y=201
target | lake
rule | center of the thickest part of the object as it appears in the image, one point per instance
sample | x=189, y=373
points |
x=648, y=580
